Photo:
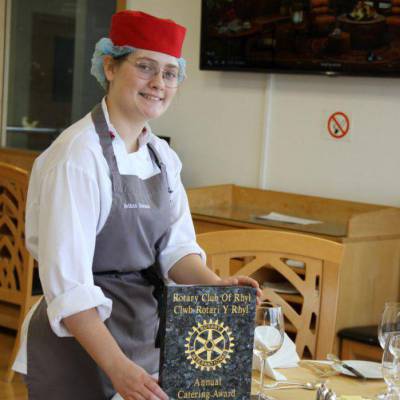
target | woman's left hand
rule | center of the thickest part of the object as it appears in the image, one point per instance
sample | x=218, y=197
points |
x=191, y=270
x=242, y=281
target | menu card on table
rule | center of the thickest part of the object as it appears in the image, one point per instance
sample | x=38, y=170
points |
x=207, y=337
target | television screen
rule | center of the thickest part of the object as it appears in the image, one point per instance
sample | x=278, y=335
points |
x=352, y=37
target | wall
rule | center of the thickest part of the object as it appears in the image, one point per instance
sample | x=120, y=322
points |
x=266, y=130
x=217, y=121
x=300, y=158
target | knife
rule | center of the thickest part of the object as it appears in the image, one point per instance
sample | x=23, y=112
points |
x=336, y=360
x=358, y=374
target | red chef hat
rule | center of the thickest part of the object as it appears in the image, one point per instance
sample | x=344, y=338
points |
x=144, y=31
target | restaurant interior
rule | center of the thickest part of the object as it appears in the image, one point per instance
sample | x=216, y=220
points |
x=290, y=176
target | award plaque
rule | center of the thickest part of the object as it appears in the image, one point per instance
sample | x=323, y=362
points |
x=207, y=342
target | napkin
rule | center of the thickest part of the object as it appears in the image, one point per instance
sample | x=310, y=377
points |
x=285, y=357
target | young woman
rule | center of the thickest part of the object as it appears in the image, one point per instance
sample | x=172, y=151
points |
x=108, y=221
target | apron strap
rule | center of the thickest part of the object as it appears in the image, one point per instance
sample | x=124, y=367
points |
x=102, y=130
x=152, y=275
x=154, y=153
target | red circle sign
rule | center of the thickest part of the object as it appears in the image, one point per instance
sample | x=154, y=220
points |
x=338, y=125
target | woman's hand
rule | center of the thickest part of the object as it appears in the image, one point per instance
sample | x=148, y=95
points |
x=132, y=382
x=191, y=270
x=242, y=281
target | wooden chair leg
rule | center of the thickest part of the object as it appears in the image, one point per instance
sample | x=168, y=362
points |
x=9, y=376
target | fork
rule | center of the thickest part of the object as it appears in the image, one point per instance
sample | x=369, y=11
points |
x=294, y=385
x=322, y=371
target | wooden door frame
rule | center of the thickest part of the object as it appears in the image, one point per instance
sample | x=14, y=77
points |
x=5, y=6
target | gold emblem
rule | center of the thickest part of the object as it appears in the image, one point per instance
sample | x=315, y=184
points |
x=209, y=345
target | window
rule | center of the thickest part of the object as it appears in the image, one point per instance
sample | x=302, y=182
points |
x=47, y=73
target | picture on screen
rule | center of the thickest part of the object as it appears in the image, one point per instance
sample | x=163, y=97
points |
x=354, y=37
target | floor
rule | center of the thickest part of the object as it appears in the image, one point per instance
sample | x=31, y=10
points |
x=15, y=390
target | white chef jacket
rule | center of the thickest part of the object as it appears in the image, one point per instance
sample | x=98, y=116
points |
x=69, y=200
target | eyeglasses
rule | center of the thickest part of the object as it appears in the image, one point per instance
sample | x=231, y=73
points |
x=148, y=70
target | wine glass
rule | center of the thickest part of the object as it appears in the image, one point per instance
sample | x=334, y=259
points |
x=390, y=322
x=391, y=366
x=268, y=337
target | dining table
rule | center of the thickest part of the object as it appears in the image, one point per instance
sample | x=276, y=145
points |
x=342, y=385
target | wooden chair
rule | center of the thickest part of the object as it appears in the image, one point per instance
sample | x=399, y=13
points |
x=308, y=264
x=16, y=264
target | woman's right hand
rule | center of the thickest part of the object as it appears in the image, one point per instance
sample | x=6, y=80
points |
x=132, y=382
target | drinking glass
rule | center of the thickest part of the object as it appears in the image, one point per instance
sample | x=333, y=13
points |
x=268, y=337
x=391, y=366
x=390, y=322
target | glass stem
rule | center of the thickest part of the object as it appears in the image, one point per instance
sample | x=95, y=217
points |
x=391, y=391
x=262, y=369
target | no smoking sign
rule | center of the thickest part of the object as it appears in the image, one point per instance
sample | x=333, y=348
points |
x=338, y=125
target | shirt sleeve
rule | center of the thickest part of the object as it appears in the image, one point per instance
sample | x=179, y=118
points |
x=182, y=237
x=67, y=216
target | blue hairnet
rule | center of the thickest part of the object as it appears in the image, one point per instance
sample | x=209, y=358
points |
x=106, y=47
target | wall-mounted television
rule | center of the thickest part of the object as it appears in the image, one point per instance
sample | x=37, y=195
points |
x=351, y=37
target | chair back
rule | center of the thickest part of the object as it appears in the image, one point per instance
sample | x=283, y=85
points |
x=16, y=264
x=298, y=272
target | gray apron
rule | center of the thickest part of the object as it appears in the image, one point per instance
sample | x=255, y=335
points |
x=125, y=268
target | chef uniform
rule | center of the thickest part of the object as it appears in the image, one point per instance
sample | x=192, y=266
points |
x=127, y=268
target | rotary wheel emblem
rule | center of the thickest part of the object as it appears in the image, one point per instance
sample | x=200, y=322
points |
x=209, y=345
